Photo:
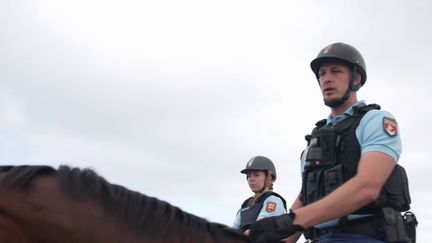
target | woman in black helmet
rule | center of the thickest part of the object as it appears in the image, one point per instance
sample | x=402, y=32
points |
x=260, y=174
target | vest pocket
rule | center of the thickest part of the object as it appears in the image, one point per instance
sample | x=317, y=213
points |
x=396, y=192
x=312, y=186
x=333, y=178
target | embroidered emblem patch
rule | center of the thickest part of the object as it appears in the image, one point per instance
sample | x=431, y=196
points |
x=390, y=126
x=270, y=207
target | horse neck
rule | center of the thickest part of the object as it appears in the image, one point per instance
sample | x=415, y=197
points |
x=45, y=215
x=10, y=231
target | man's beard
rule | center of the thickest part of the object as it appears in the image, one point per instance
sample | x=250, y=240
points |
x=333, y=103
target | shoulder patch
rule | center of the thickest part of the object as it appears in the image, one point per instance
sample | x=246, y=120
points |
x=390, y=126
x=270, y=207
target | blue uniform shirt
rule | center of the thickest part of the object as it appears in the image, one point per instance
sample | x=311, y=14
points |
x=274, y=201
x=372, y=137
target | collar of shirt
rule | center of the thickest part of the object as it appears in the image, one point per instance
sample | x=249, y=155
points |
x=349, y=112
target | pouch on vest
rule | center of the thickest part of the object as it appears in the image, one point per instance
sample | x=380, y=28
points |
x=312, y=192
x=329, y=142
x=393, y=226
x=314, y=154
x=323, y=148
x=395, y=192
x=333, y=178
x=411, y=223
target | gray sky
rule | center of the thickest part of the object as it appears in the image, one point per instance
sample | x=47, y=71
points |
x=171, y=98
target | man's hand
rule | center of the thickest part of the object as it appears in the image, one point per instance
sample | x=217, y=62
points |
x=274, y=228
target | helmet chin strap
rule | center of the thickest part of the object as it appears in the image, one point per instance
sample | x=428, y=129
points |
x=267, y=183
x=339, y=102
x=352, y=87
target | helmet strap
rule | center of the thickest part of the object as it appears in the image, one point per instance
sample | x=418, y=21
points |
x=353, y=86
x=339, y=102
x=268, y=183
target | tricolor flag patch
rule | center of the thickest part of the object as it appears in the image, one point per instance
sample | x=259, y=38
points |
x=270, y=207
x=390, y=126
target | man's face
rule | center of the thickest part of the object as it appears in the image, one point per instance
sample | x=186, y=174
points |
x=334, y=80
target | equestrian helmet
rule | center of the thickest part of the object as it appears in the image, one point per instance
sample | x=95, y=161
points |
x=260, y=163
x=340, y=52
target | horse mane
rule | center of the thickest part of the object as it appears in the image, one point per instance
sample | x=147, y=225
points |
x=143, y=213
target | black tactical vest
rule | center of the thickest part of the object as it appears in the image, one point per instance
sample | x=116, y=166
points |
x=249, y=213
x=333, y=157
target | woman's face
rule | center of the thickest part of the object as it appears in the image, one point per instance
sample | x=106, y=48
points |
x=256, y=180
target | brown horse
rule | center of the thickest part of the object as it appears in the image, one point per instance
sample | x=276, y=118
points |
x=40, y=204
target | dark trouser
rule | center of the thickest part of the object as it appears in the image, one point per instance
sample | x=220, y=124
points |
x=366, y=228
x=387, y=226
x=351, y=238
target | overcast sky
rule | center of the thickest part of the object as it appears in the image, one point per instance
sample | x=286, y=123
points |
x=172, y=98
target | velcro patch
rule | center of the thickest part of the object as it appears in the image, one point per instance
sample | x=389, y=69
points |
x=270, y=207
x=390, y=126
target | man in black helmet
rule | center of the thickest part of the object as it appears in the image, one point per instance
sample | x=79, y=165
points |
x=348, y=160
x=260, y=175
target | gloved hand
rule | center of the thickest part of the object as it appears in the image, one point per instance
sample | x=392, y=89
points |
x=274, y=228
